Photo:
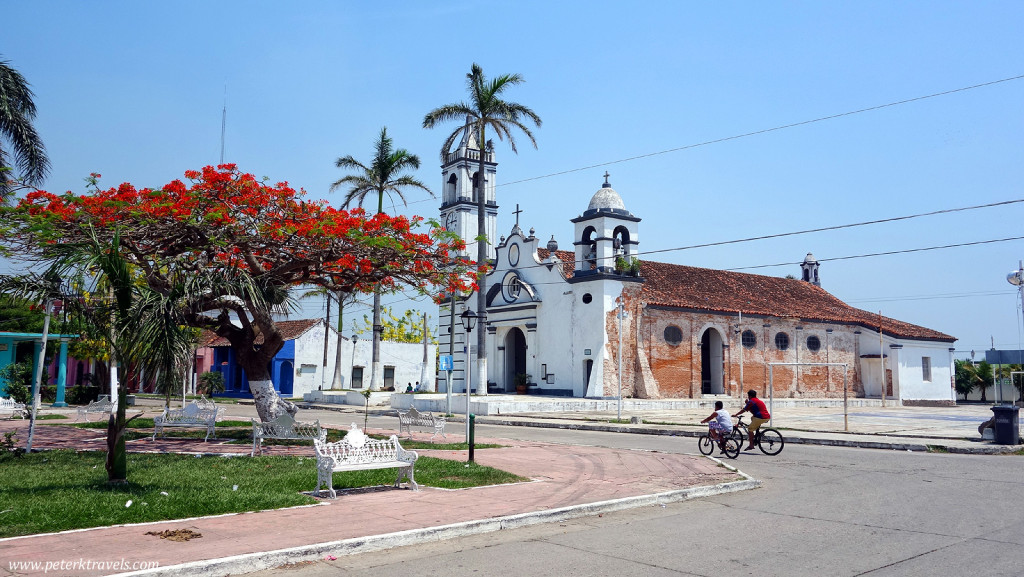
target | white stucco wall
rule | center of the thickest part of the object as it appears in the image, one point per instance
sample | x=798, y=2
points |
x=309, y=373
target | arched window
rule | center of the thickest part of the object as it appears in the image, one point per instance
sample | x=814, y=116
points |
x=451, y=193
x=620, y=241
x=589, y=248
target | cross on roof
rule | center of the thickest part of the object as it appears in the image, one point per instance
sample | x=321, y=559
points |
x=606, y=175
x=516, y=212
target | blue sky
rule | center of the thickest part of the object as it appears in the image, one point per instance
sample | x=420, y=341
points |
x=134, y=90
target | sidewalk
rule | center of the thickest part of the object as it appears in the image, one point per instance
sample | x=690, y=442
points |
x=566, y=482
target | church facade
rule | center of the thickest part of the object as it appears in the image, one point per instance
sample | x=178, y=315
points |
x=594, y=320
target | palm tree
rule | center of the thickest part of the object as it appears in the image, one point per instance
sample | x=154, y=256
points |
x=484, y=110
x=383, y=176
x=26, y=148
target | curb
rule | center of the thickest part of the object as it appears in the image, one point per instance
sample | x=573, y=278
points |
x=873, y=444
x=250, y=562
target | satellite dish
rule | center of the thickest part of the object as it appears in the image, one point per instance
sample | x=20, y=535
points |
x=1014, y=278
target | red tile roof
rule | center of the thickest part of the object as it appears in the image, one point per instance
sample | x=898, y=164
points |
x=289, y=330
x=567, y=257
x=723, y=291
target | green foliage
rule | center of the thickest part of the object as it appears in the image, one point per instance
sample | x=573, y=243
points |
x=965, y=378
x=621, y=264
x=634, y=266
x=211, y=382
x=984, y=373
x=8, y=448
x=406, y=328
x=17, y=381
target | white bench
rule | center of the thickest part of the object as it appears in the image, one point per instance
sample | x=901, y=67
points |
x=201, y=413
x=285, y=427
x=412, y=417
x=105, y=406
x=8, y=405
x=357, y=452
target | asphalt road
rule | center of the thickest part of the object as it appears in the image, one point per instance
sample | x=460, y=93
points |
x=821, y=511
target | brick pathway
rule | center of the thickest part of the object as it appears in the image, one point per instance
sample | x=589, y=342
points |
x=562, y=476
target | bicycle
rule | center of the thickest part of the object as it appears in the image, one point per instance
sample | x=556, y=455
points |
x=729, y=445
x=769, y=440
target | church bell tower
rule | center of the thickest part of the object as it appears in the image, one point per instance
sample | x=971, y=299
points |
x=461, y=184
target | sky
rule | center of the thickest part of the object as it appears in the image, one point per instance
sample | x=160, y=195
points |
x=653, y=92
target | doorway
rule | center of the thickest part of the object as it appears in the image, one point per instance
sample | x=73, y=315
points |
x=711, y=361
x=515, y=358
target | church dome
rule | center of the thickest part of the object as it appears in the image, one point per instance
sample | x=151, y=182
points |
x=606, y=200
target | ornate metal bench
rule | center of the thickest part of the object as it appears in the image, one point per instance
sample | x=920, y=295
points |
x=201, y=413
x=412, y=417
x=357, y=452
x=105, y=406
x=285, y=427
x=8, y=405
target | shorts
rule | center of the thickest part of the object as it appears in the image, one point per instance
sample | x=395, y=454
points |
x=716, y=426
x=755, y=423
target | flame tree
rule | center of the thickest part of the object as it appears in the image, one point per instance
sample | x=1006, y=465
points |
x=227, y=247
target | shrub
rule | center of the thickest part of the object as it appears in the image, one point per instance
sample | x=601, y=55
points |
x=211, y=382
x=17, y=381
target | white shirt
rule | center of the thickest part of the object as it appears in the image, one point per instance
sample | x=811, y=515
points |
x=723, y=418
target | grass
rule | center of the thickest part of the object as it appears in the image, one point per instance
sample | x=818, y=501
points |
x=61, y=490
x=49, y=417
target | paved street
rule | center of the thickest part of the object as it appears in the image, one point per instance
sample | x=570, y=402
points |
x=820, y=511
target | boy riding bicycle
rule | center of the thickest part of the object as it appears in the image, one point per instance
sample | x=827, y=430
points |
x=758, y=416
x=719, y=424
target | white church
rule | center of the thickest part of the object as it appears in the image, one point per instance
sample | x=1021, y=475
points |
x=686, y=332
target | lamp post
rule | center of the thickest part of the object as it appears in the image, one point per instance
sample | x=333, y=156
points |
x=1016, y=278
x=469, y=319
x=355, y=341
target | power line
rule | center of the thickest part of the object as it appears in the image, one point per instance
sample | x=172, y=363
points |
x=748, y=134
x=767, y=130
x=866, y=255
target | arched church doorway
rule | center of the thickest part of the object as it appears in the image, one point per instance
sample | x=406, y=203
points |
x=515, y=357
x=711, y=361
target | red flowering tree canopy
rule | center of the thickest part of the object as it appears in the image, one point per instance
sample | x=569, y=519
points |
x=227, y=219
x=222, y=223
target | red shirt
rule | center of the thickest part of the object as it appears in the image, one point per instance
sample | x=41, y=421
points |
x=757, y=408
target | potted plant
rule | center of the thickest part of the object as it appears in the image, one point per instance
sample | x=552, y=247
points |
x=522, y=381
x=621, y=265
x=634, y=267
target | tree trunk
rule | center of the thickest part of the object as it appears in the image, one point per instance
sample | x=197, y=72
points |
x=481, y=253
x=338, y=381
x=117, y=454
x=375, y=376
x=256, y=364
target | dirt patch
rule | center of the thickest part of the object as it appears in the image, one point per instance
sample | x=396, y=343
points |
x=176, y=534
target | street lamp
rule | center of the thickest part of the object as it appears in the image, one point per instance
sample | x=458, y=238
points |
x=469, y=319
x=355, y=341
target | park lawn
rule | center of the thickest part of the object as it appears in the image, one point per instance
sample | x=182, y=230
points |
x=60, y=490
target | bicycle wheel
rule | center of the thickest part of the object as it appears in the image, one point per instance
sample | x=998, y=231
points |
x=740, y=435
x=770, y=441
x=731, y=447
x=705, y=445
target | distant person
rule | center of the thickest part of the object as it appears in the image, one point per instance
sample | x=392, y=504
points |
x=758, y=416
x=408, y=388
x=417, y=387
x=719, y=424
